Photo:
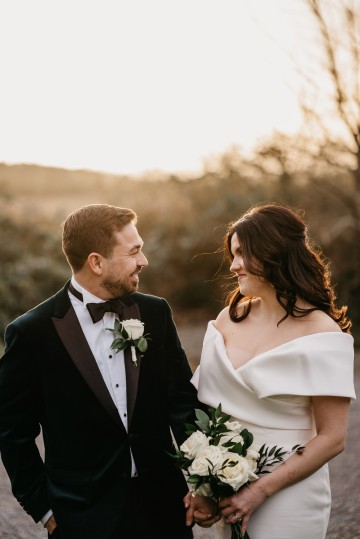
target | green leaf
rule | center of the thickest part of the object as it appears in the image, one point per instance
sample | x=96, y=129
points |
x=202, y=416
x=238, y=448
x=224, y=418
x=124, y=332
x=247, y=437
x=194, y=478
x=203, y=421
x=117, y=325
x=228, y=444
x=222, y=429
x=142, y=344
x=203, y=427
x=217, y=412
x=118, y=344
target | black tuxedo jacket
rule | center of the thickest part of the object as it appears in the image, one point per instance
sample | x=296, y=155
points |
x=49, y=379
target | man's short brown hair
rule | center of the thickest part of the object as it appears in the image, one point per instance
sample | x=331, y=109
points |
x=91, y=229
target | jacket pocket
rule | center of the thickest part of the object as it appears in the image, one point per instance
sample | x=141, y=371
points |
x=71, y=486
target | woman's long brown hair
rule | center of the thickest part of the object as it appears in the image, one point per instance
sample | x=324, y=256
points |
x=275, y=246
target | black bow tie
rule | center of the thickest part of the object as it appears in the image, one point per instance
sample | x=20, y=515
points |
x=97, y=310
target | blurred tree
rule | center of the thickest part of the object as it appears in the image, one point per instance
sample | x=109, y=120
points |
x=332, y=112
x=182, y=222
x=331, y=99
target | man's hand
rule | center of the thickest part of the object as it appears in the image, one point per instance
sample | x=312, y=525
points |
x=203, y=511
x=50, y=525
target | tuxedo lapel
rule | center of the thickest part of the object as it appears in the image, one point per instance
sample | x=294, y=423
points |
x=73, y=338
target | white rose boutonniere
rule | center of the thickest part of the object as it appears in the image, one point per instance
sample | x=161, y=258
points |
x=129, y=333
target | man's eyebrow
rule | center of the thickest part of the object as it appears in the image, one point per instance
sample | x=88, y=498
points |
x=136, y=247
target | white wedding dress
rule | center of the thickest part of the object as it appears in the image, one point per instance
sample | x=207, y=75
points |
x=270, y=395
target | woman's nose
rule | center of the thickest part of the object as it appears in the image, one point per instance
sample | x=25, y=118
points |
x=237, y=263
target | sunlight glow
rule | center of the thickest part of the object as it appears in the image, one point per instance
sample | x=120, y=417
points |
x=132, y=85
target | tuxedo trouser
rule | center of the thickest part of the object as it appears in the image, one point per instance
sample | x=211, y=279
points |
x=138, y=523
x=142, y=524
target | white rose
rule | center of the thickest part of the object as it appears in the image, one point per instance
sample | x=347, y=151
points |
x=200, y=465
x=134, y=328
x=234, y=438
x=252, y=456
x=196, y=442
x=236, y=472
x=233, y=426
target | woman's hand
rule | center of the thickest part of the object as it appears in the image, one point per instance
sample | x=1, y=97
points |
x=240, y=506
x=203, y=511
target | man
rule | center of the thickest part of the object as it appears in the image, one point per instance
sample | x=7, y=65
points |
x=105, y=413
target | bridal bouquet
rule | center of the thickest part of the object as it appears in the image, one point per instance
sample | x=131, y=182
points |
x=219, y=457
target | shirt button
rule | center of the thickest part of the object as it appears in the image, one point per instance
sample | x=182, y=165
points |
x=124, y=415
x=110, y=357
x=116, y=385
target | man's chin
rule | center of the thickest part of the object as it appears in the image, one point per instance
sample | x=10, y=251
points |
x=133, y=288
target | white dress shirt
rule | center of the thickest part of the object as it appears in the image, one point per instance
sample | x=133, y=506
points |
x=111, y=364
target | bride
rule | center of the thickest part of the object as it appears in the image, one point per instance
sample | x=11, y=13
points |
x=279, y=359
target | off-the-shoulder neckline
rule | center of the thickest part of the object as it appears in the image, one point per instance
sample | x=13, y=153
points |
x=291, y=341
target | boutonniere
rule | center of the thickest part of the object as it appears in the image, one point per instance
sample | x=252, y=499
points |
x=129, y=333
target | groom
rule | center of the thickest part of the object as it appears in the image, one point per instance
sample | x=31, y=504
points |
x=105, y=414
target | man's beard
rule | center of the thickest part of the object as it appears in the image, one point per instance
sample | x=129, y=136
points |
x=118, y=288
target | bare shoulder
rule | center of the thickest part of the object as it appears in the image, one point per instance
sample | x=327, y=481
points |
x=321, y=322
x=222, y=319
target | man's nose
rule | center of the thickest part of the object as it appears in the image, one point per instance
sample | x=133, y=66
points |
x=143, y=261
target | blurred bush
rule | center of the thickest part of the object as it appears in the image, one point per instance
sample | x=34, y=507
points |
x=31, y=267
x=182, y=221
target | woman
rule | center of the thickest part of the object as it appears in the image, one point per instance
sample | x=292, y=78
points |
x=279, y=358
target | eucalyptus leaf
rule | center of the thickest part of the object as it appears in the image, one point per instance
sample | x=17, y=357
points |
x=142, y=344
x=117, y=325
x=203, y=426
x=202, y=416
x=118, y=345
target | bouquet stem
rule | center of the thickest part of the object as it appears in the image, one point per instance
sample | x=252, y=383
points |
x=236, y=532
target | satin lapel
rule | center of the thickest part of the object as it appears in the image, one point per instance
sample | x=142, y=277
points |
x=72, y=336
x=132, y=372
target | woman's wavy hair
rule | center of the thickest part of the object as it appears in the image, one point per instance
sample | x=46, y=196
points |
x=275, y=247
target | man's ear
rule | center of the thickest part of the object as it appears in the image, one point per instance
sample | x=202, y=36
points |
x=95, y=263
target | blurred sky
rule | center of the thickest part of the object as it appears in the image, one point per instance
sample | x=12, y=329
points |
x=131, y=85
